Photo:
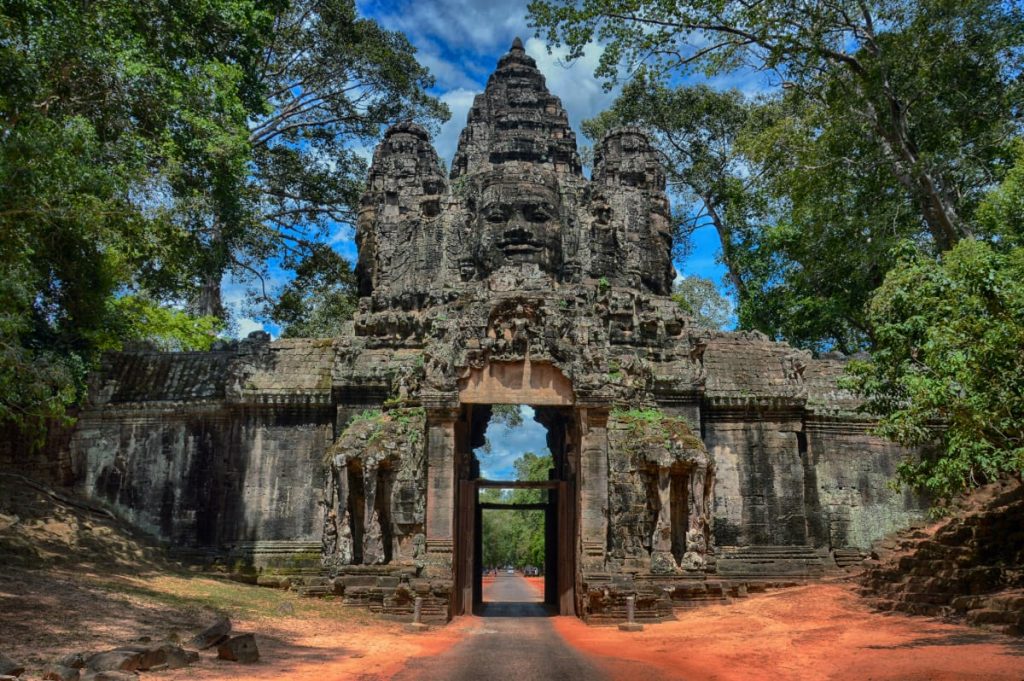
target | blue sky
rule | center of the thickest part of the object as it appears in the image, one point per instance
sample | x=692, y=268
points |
x=460, y=41
x=508, y=444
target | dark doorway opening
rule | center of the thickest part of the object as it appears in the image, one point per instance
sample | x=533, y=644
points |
x=537, y=487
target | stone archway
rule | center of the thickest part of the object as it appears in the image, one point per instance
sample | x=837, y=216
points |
x=544, y=387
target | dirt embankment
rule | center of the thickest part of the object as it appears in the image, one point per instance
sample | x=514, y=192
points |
x=76, y=580
x=968, y=566
x=811, y=633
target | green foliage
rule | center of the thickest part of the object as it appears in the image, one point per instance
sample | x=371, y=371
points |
x=516, y=538
x=134, y=317
x=653, y=427
x=947, y=369
x=700, y=297
x=508, y=415
x=148, y=148
x=321, y=297
x=893, y=121
x=329, y=81
x=104, y=107
x=1000, y=214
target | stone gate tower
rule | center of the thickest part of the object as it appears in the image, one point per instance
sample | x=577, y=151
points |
x=688, y=463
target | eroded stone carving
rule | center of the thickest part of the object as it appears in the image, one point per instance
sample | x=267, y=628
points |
x=375, y=491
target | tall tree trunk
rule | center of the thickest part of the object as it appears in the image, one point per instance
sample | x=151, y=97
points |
x=725, y=236
x=208, y=301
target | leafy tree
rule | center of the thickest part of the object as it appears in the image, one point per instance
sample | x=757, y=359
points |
x=149, y=147
x=701, y=298
x=893, y=121
x=97, y=101
x=321, y=297
x=947, y=367
x=516, y=538
x=328, y=81
x=933, y=84
x=834, y=218
x=1000, y=216
x=509, y=415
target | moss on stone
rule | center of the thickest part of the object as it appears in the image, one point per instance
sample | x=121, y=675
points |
x=653, y=427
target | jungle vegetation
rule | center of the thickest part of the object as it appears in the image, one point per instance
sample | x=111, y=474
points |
x=150, y=148
x=867, y=189
x=516, y=538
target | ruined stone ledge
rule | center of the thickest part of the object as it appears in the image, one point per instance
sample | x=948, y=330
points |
x=729, y=402
x=296, y=397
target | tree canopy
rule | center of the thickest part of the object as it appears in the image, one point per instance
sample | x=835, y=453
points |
x=946, y=371
x=149, y=148
x=516, y=538
x=867, y=194
x=931, y=84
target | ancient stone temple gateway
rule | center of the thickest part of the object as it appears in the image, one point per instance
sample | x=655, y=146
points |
x=688, y=464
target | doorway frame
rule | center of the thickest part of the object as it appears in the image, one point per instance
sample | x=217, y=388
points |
x=559, y=511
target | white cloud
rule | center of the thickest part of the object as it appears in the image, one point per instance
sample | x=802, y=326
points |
x=448, y=75
x=459, y=101
x=478, y=25
x=582, y=95
x=246, y=326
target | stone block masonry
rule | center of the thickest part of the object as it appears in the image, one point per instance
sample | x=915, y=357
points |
x=689, y=465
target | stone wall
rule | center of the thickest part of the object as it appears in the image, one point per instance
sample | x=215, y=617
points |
x=759, y=490
x=210, y=478
x=852, y=472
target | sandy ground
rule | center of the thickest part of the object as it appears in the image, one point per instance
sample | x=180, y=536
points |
x=811, y=633
x=44, y=615
x=807, y=633
x=71, y=581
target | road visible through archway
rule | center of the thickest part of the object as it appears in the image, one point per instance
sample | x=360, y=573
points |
x=517, y=640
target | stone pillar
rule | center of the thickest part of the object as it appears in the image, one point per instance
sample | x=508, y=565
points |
x=373, y=533
x=441, y=480
x=698, y=535
x=339, y=521
x=662, y=560
x=593, y=487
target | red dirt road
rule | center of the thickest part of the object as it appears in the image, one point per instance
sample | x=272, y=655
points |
x=810, y=633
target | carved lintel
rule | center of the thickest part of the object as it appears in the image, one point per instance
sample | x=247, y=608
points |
x=440, y=545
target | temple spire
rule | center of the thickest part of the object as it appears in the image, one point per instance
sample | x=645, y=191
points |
x=516, y=120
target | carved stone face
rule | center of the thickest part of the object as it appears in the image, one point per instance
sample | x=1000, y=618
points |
x=519, y=223
x=656, y=256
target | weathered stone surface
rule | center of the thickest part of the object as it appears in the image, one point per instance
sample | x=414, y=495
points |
x=513, y=280
x=9, y=667
x=147, y=656
x=241, y=648
x=73, y=660
x=108, y=675
x=968, y=568
x=56, y=672
x=114, y=660
x=213, y=634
